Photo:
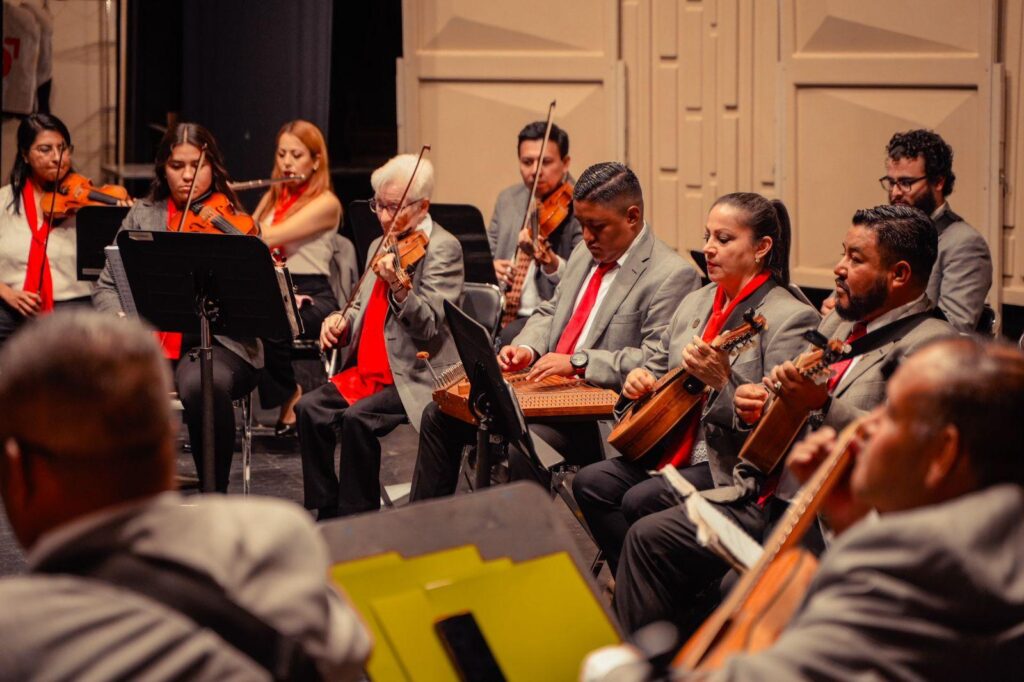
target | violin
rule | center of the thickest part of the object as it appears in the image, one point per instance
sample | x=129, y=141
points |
x=652, y=417
x=75, y=191
x=761, y=604
x=408, y=251
x=552, y=211
x=217, y=215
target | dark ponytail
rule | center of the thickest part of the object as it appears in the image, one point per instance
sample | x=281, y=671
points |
x=767, y=218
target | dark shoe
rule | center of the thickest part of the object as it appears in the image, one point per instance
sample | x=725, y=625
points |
x=282, y=430
x=325, y=513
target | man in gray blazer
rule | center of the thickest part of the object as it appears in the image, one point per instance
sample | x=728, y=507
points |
x=880, y=296
x=618, y=292
x=505, y=232
x=128, y=579
x=384, y=383
x=933, y=588
x=919, y=173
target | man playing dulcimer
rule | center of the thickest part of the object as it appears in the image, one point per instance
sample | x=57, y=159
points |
x=615, y=298
x=746, y=242
x=532, y=278
x=933, y=587
x=888, y=254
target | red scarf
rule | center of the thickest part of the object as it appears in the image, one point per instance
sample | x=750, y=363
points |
x=372, y=371
x=679, y=443
x=171, y=341
x=37, y=275
x=286, y=199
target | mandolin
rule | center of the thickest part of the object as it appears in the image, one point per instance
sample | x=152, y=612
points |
x=653, y=416
x=764, y=600
x=781, y=421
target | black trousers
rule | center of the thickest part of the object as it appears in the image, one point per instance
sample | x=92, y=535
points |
x=11, y=319
x=511, y=330
x=615, y=493
x=278, y=381
x=323, y=417
x=664, y=570
x=233, y=378
x=442, y=438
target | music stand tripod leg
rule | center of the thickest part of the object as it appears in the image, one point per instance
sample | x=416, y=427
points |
x=207, y=312
x=484, y=460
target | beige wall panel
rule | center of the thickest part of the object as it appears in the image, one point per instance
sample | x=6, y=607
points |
x=665, y=208
x=1012, y=43
x=475, y=126
x=840, y=140
x=636, y=49
x=666, y=121
x=884, y=28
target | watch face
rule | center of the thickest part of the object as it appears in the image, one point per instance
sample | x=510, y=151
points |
x=578, y=359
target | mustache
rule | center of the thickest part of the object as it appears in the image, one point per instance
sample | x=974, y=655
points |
x=841, y=284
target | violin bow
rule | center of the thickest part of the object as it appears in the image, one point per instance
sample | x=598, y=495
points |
x=49, y=219
x=531, y=207
x=387, y=234
x=192, y=187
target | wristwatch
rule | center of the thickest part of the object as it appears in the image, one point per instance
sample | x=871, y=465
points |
x=579, y=361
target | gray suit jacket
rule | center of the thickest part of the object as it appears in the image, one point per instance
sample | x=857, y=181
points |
x=788, y=315
x=630, y=319
x=418, y=324
x=507, y=220
x=934, y=593
x=152, y=216
x=962, y=274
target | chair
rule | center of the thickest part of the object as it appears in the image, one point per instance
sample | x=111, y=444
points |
x=245, y=404
x=484, y=303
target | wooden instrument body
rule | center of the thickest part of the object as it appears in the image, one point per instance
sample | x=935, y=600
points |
x=217, y=215
x=674, y=395
x=764, y=599
x=553, y=397
x=75, y=191
x=408, y=251
x=782, y=421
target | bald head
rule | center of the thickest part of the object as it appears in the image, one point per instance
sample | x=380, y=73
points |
x=84, y=418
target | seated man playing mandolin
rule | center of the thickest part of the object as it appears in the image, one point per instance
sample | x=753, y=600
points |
x=614, y=299
x=530, y=274
x=933, y=587
x=746, y=242
x=880, y=296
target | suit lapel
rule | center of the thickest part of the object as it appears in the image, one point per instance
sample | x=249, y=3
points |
x=620, y=287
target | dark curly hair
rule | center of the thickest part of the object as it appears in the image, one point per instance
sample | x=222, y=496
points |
x=938, y=156
x=535, y=131
x=903, y=233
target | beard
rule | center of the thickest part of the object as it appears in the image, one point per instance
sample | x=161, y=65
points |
x=861, y=305
x=925, y=203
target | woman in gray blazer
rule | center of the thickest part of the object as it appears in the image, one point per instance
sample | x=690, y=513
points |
x=746, y=243
x=236, y=362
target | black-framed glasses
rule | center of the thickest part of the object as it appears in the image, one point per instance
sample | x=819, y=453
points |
x=379, y=207
x=905, y=184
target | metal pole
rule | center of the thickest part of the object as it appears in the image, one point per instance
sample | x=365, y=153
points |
x=207, y=478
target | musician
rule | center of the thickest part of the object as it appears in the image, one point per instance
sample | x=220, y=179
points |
x=37, y=272
x=236, y=362
x=87, y=468
x=505, y=232
x=881, y=281
x=919, y=173
x=384, y=383
x=611, y=306
x=746, y=243
x=300, y=219
x=934, y=587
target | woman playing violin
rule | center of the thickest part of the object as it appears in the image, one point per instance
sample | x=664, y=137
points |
x=37, y=264
x=746, y=243
x=236, y=362
x=300, y=219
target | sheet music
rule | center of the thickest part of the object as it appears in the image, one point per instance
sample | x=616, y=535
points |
x=124, y=290
x=715, y=530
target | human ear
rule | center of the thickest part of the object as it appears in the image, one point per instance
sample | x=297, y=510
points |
x=944, y=464
x=900, y=273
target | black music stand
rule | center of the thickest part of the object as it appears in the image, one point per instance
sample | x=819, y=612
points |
x=95, y=229
x=490, y=398
x=210, y=284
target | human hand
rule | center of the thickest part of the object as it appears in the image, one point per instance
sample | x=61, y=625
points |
x=786, y=381
x=513, y=358
x=331, y=330
x=639, y=382
x=303, y=299
x=749, y=401
x=706, y=363
x=828, y=305
x=551, y=364
x=840, y=508
x=503, y=270
x=25, y=302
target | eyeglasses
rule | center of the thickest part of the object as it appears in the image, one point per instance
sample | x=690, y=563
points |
x=47, y=149
x=905, y=184
x=379, y=207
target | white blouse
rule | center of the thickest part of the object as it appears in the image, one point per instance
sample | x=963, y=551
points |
x=16, y=239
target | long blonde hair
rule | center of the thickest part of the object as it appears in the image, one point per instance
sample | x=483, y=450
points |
x=320, y=181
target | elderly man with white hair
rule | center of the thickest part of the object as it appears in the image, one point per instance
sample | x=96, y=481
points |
x=383, y=382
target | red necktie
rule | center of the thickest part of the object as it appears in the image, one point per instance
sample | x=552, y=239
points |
x=839, y=368
x=572, y=331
